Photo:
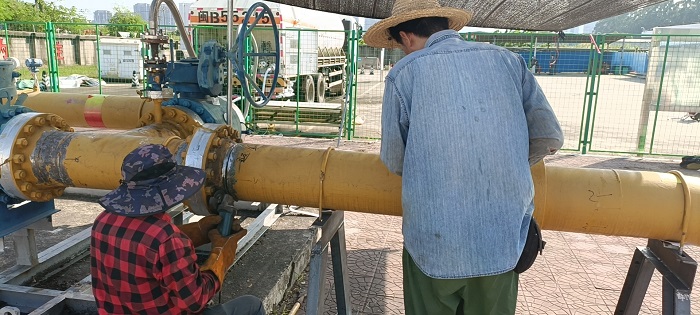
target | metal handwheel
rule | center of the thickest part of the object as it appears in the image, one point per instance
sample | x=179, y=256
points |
x=248, y=80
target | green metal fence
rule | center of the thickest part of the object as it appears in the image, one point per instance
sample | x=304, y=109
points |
x=615, y=93
x=78, y=58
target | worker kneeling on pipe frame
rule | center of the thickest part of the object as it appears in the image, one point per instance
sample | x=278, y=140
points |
x=141, y=262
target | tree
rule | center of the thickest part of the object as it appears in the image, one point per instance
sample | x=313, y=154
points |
x=40, y=11
x=124, y=20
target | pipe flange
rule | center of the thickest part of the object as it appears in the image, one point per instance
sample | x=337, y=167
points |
x=202, y=153
x=184, y=119
x=17, y=142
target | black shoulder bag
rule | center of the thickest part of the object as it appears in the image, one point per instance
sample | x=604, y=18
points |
x=533, y=246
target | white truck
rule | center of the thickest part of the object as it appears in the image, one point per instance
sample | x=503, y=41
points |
x=311, y=45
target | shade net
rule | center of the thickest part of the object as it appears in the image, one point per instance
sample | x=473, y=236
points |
x=545, y=15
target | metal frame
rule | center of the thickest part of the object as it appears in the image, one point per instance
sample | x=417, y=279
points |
x=333, y=234
x=677, y=268
x=60, y=256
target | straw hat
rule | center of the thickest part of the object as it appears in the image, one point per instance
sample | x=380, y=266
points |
x=405, y=10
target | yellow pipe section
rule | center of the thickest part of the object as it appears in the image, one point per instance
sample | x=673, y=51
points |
x=352, y=181
x=100, y=158
x=89, y=160
x=609, y=202
x=92, y=111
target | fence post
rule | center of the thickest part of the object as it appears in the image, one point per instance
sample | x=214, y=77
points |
x=598, y=66
x=298, y=82
x=7, y=40
x=658, y=98
x=144, y=56
x=355, y=36
x=97, y=50
x=591, y=92
x=51, y=53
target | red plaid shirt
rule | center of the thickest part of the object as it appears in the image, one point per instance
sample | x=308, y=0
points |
x=145, y=265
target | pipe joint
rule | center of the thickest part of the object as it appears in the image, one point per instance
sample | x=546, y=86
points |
x=19, y=138
x=208, y=150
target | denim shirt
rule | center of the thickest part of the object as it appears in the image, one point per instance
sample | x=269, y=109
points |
x=461, y=123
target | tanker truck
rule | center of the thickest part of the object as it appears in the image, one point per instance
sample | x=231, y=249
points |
x=312, y=57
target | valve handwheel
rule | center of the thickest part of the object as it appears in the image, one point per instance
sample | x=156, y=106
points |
x=247, y=80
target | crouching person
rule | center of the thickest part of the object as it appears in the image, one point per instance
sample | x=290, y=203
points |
x=141, y=263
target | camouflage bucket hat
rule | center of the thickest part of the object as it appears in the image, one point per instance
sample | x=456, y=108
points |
x=152, y=182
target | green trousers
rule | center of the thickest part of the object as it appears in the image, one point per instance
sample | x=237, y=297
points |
x=474, y=296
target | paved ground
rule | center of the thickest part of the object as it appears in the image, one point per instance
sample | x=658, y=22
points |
x=578, y=273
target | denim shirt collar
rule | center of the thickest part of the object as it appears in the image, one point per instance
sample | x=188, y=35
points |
x=440, y=36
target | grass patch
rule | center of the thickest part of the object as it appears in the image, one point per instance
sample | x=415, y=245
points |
x=63, y=71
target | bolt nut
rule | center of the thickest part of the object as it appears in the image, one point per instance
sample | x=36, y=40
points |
x=218, y=142
x=28, y=129
x=58, y=191
x=170, y=113
x=20, y=174
x=149, y=117
x=26, y=187
x=22, y=142
x=18, y=158
x=36, y=195
x=40, y=121
x=211, y=156
x=181, y=119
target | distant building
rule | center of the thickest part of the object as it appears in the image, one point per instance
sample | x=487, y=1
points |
x=101, y=17
x=583, y=29
x=142, y=10
x=165, y=17
x=185, y=12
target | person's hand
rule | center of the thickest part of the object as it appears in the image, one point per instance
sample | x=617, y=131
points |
x=223, y=252
x=198, y=231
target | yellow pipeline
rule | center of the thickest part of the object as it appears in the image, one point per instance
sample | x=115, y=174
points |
x=609, y=202
x=96, y=111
